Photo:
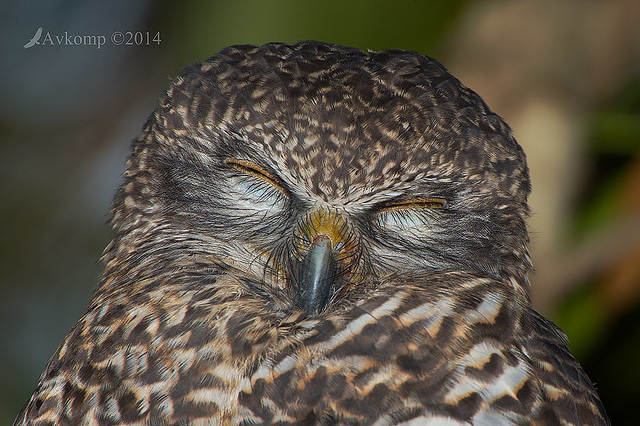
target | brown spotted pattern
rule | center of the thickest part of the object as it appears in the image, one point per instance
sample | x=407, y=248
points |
x=248, y=156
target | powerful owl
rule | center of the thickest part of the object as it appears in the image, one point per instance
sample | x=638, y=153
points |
x=314, y=234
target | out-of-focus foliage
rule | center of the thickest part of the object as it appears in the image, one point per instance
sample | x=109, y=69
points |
x=603, y=317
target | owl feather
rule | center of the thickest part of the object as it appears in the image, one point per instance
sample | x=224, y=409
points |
x=314, y=234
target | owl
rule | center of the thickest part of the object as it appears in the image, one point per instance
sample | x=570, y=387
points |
x=315, y=234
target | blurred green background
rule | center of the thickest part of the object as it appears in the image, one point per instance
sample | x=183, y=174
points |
x=565, y=74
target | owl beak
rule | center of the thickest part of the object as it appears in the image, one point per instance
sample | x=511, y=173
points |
x=325, y=259
x=317, y=275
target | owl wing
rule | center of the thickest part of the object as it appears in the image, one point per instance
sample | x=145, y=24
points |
x=568, y=396
x=446, y=350
x=156, y=349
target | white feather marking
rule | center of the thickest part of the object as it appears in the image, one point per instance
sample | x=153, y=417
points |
x=432, y=421
x=492, y=418
x=479, y=355
x=508, y=383
x=434, y=312
x=487, y=310
x=356, y=326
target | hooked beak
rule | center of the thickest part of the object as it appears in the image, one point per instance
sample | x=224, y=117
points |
x=325, y=255
x=318, y=271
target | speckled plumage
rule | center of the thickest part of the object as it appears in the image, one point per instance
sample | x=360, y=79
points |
x=262, y=160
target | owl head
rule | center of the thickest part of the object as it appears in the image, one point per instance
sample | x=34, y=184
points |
x=319, y=169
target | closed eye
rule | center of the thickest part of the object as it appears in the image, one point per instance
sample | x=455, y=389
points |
x=410, y=217
x=255, y=170
x=414, y=204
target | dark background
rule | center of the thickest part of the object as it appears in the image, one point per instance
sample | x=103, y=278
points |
x=565, y=74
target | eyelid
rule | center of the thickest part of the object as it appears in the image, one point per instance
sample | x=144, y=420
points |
x=255, y=170
x=414, y=203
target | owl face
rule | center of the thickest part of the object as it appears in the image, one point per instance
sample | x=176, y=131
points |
x=316, y=177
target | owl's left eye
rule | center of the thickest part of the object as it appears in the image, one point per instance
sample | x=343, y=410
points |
x=410, y=214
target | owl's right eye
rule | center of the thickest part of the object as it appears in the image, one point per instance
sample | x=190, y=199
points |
x=259, y=183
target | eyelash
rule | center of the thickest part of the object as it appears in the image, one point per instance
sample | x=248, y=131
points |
x=414, y=204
